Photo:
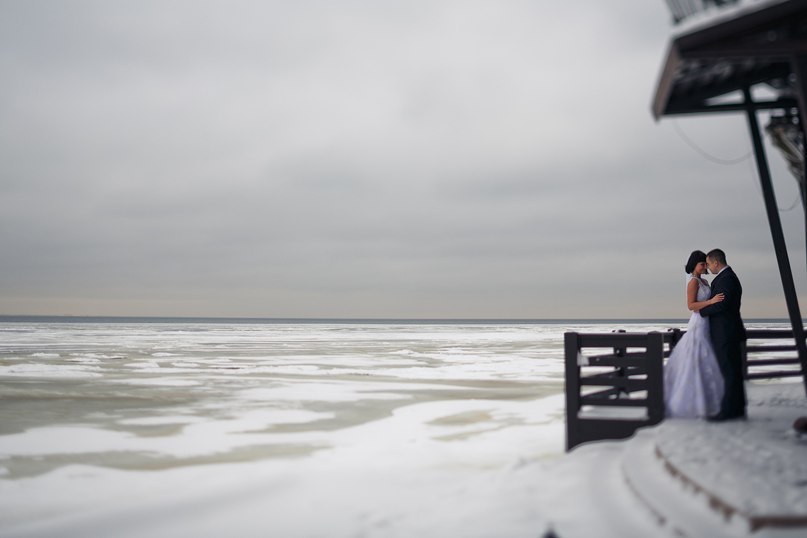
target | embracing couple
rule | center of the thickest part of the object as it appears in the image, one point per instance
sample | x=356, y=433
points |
x=704, y=374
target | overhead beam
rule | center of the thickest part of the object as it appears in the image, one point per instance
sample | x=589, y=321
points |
x=730, y=107
x=778, y=50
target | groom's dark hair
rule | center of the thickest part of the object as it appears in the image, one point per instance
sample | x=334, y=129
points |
x=694, y=259
x=717, y=255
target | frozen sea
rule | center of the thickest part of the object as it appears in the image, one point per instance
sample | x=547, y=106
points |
x=360, y=429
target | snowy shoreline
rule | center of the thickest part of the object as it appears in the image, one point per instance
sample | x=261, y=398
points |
x=341, y=432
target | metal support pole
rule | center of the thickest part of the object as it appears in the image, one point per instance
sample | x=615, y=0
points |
x=799, y=66
x=779, y=246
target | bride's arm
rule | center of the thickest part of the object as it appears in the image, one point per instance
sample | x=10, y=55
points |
x=692, y=294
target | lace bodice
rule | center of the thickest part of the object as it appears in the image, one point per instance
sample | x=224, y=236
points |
x=704, y=291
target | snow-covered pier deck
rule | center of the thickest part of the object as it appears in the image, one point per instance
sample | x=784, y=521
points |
x=696, y=478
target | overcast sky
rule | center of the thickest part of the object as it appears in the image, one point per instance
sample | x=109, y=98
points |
x=417, y=159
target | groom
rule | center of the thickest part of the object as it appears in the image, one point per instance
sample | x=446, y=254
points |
x=727, y=332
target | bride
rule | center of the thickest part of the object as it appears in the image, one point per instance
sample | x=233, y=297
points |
x=693, y=384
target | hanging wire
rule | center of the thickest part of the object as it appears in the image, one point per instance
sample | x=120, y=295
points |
x=792, y=206
x=718, y=160
x=754, y=174
x=704, y=154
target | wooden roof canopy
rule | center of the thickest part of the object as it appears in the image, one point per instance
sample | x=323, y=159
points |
x=756, y=46
x=712, y=64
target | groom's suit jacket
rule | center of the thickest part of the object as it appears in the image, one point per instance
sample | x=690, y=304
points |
x=726, y=324
x=728, y=332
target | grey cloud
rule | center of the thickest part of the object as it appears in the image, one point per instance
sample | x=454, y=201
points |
x=367, y=158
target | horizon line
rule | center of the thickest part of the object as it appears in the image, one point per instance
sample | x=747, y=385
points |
x=273, y=319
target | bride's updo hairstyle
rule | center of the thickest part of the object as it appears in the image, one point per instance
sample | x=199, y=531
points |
x=694, y=259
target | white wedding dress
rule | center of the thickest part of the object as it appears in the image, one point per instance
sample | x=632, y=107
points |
x=693, y=384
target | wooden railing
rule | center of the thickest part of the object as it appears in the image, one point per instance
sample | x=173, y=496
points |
x=610, y=395
x=615, y=381
x=766, y=356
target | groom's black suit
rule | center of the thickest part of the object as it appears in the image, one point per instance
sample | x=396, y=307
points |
x=728, y=332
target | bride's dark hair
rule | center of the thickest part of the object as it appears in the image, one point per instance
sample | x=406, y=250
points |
x=694, y=259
